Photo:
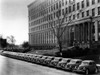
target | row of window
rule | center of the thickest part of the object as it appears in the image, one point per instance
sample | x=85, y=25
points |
x=43, y=38
x=69, y=9
x=46, y=3
x=53, y=7
x=75, y=16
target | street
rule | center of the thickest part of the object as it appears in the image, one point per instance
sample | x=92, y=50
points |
x=9, y=66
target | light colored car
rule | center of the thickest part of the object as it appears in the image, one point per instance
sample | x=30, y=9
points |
x=48, y=60
x=42, y=60
x=72, y=64
x=55, y=61
x=38, y=58
x=87, y=66
x=63, y=62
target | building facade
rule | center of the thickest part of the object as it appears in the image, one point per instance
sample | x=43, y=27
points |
x=84, y=30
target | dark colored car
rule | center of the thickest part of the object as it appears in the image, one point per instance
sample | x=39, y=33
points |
x=87, y=66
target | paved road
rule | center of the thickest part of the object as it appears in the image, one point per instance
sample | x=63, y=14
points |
x=10, y=66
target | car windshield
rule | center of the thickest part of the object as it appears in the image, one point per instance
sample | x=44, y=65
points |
x=57, y=59
x=85, y=63
x=64, y=60
x=72, y=62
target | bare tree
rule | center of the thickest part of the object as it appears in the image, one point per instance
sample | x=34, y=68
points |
x=11, y=39
x=59, y=27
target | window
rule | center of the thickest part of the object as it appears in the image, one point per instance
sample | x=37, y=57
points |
x=93, y=12
x=56, y=5
x=93, y=2
x=69, y=17
x=73, y=17
x=62, y=2
x=74, y=7
x=82, y=14
x=69, y=1
x=98, y=1
x=66, y=19
x=99, y=29
x=51, y=8
x=78, y=7
x=59, y=3
x=98, y=10
x=77, y=15
x=87, y=13
x=69, y=9
x=87, y=3
x=82, y=4
x=59, y=12
x=66, y=2
x=66, y=10
x=62, y=11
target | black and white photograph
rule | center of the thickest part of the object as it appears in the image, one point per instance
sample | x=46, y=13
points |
x=49, y=37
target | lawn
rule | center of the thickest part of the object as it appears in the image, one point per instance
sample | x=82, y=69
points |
x=45, y=52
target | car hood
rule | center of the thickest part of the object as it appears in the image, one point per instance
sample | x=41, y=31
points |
x=62, y=62
x=71, y=64
x=55, y=61
x=83, y=65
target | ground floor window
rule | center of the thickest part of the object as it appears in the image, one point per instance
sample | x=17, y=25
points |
x=99, y=30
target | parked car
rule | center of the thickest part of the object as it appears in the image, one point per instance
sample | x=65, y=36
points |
x=87, y=66
x=48, y=60
x=72, y=64
x=63, y=62
x=38, y=58
x=55, y=61
x=34, y=58
x=42, y=60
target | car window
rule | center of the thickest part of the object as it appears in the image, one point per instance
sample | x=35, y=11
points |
x=68, y=60
x=90, y=63
x=78, y=62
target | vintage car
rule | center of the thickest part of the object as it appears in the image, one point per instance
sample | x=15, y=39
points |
x=87, y=66
x=41, y=60
x=34, y=58
x=48, y=60
x=72, y=64
x=38, y=57
x=55, y=61
x=63, y=62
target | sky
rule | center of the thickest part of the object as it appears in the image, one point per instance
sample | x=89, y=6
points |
x=14, y=19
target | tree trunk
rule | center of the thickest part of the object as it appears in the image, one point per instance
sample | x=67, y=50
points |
x=60, y=47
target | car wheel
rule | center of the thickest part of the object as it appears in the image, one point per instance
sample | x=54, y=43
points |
x=87, y=72
x=96, y=70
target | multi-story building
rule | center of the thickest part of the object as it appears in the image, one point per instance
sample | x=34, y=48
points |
x=84, y=29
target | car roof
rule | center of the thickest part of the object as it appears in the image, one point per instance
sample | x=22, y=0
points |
x=58, y=57
x=88, y=61
x=76, y=60
x=66, y=58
